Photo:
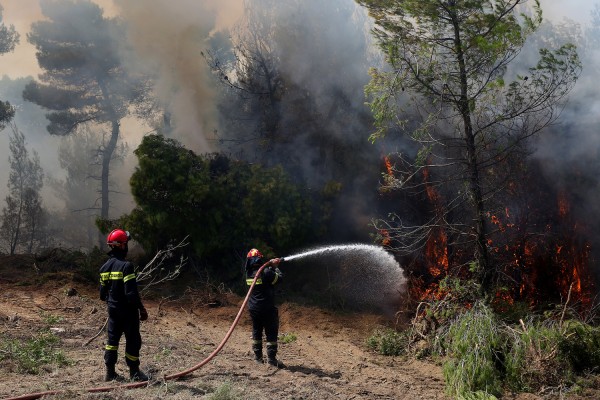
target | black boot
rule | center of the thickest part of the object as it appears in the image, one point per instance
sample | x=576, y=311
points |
x=111, y=374
x=136, y=375
x=272, y=355
x=257, y=349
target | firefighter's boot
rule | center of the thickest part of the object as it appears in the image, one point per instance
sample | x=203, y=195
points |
x=257, y=349
x=111, y=374
x=272, y=355
x=136, y=375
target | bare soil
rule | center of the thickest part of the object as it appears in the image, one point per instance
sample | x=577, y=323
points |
x=328, y=359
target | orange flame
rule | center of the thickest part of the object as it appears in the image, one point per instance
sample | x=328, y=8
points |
x=388, y=166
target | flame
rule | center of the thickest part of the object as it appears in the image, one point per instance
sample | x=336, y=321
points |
x=563, y=205
x=388, y=166
x=385, y=237
x=541, y=265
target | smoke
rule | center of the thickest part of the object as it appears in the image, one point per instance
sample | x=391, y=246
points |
x=168, y=38
x=324, y=50
x=568, y=152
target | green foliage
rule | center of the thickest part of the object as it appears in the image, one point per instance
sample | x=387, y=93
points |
x=487, y=347
x=221, y=204
x=225, y=392
x=7, y=112
x=388, y=342
x=163, y=354
x=474, y=343
x=534, y=359
x=9, y=38
x=287, y=338
x=548, y=353
x=22, y=219
x=444, y=89
x=479, y=395
x=581, y=344
x=31, y=355
x=50, y=319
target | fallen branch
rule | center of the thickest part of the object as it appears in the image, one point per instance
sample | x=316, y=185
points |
x=562, y=317
x=97, y=334
x=153, y=271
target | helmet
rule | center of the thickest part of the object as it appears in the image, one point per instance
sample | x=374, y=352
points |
x=117, y=237
x=254, y=253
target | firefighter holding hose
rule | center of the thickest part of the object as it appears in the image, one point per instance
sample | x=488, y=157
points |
x=118, y=288
x=261, y=305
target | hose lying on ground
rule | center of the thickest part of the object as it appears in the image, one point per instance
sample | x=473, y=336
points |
x=134, y=385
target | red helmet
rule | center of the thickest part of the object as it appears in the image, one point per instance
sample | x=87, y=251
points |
x=117, y=237
x=254, y=253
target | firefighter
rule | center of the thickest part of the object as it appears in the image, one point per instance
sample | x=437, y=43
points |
x=261, y=304
x=118, y=288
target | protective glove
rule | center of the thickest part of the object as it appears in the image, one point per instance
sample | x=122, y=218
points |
x=143, y=314
x=275, y=262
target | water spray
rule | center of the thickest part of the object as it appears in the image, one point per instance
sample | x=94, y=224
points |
x=377, y=252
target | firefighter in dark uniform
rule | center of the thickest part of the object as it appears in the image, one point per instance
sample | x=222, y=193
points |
x=261, y=304
x=118, y=288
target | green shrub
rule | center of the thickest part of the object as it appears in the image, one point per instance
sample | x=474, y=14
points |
x=288, y=337
x=388, y=342
x=30, y=355
x=225, y=392
x=50, y=319
x=534, y=359
x=474, y=343
x=581, y=345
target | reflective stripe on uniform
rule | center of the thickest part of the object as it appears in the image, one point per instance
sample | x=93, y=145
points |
x=113, y=276
x=129, y=277
x=275, y=280
x=271, y=344
x=258, y=281
x=132, y=358
x=111, y=347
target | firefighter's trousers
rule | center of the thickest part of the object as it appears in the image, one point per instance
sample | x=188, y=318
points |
x=123, y=321
x=266, y=320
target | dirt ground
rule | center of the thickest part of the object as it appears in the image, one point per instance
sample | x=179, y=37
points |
x=328, y=359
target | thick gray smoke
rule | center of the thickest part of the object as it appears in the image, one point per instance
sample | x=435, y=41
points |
x=324, y=50
x=168, y=39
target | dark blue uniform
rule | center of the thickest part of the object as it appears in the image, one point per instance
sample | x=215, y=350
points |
x=261, y=304
x=118, y=288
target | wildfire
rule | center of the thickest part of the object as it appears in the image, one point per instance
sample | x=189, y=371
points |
x=388, y=166
x=385, y=237
x=563, y=205
x=550, y=266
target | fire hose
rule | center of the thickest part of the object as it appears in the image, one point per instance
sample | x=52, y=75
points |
x=134, y=385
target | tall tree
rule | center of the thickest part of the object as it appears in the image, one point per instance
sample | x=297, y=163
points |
x=221, y=204
x=22, y=216
x=295, y=77
x=84, y=79
x=80, y=158
x=453, y=57
x=8, y=40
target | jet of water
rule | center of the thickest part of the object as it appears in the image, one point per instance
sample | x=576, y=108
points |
x=364, y=275
x=374, y=251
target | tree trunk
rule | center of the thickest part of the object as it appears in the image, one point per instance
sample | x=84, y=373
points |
x=16, y=236
x=107, y=154
x=486, y=271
